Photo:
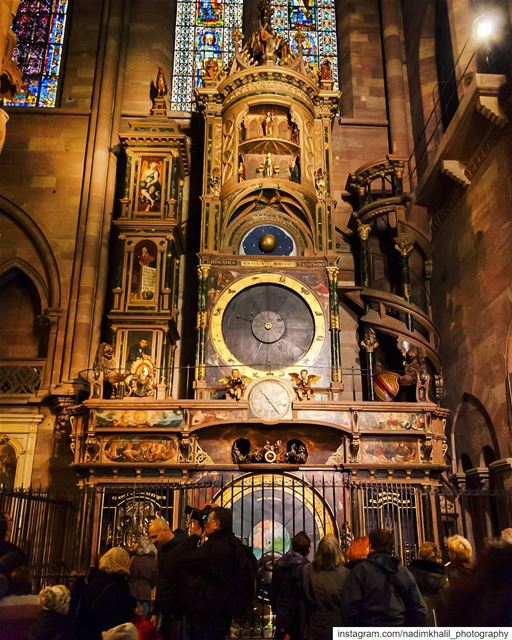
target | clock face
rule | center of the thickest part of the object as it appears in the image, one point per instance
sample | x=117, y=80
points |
x=268, y=326
x=267, y=323
x=269, y=400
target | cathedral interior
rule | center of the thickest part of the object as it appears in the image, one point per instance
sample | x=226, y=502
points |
x=258, y=254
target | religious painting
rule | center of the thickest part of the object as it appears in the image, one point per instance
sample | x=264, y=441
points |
x=389, y=451
x=137, y=449
x=7, y=465
x=391, y=421
x=138, y=418
x=149, y=194
x=139, y=344
x=144, y=273
x=39, y=28
x=201, y=417
x=203, y=33
x=209, y=12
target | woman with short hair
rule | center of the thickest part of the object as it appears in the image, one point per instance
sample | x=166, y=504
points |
x=106, y=601
x=460, y=553
x=323, y=581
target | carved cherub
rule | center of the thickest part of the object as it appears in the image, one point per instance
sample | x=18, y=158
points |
x=235, y=385
x=304, y=384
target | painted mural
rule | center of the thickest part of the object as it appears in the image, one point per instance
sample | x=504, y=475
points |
x=139, y=418
x=391, y=421
x=134, y=449
x=389, y=451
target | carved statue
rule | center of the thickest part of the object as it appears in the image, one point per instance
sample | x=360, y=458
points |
x=235, y=385
x=326, y=70
x=268, y=169
x=161, y=84
x=243, y=130
x=243, y=452
x=294, y=170
x=320, y=182
x=241, y=170
x=294, y=130
x=304, y=384
x=268, y=124
x=214, y=182
x=141, y=381
x=416, y=372
x=104, y=371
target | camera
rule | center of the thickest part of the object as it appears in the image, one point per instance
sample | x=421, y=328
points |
x=201, y=515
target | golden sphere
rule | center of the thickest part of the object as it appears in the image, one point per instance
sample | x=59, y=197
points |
x=267, y=243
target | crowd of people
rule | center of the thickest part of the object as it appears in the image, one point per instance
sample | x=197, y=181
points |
x=195, y=578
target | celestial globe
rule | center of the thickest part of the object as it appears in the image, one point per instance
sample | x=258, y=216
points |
x=267, y=243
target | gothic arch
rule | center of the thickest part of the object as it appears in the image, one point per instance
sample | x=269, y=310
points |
x=473, y=430
x=41, y=245
x=18, y=264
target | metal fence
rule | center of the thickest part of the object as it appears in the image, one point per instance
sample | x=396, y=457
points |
x=63, y=535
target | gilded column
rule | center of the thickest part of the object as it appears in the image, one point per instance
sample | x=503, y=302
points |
x=404, y=248
x=334, y=325
x=363, y=231
x=369, y=344
x=202, y=317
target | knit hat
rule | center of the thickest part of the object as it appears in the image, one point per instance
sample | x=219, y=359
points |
x=55, y=599
x=126, y=631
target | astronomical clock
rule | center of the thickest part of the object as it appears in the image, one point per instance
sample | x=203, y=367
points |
x=267, y=274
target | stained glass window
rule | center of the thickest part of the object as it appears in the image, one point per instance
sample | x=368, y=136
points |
x=203, y=32
x=317, y=21
x=39, y=26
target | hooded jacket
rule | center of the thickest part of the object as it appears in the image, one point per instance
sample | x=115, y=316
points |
x=285, y=592
x=379, y=592
x=432, y=581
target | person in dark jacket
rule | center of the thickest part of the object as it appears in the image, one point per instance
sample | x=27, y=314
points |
x=143, y=573
x=106, y=601
x=207, y=575
x=379, y=592
x=430, y=575
x=323, y=581
x=53, y=622
x=286, y=587
x=167, y=602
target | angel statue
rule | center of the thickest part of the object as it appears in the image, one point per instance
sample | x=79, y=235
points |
x=304, y=384
x=235, y=385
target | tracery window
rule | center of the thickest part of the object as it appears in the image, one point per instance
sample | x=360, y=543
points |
x=39, y=26
x=203, y=32
x=317, y=21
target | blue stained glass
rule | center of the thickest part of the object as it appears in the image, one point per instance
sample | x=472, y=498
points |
x=203, y=32
x=39, y=27
x=317, y=21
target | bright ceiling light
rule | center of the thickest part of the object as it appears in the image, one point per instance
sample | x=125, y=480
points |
x=484, y=27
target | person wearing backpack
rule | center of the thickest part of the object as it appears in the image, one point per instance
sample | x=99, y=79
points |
x=210, y=576
x=380, y=592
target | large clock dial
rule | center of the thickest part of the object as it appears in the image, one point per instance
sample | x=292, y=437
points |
x=267, y=322
x=268, y=326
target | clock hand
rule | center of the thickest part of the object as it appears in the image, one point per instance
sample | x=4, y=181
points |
x=270, y=402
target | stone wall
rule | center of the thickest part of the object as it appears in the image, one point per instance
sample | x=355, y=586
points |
x=472, y=301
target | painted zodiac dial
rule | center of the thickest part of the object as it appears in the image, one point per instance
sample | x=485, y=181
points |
x=267, y=323
x=269, y=400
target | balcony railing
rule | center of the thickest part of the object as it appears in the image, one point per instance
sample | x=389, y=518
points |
x=21, y=377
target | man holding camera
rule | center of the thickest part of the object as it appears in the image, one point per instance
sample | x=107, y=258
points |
x=207, y=573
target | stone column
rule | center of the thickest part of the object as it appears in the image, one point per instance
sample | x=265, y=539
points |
x=90, y=269
x=394, y=70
